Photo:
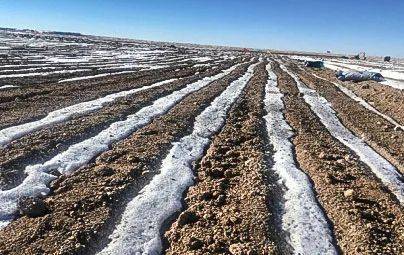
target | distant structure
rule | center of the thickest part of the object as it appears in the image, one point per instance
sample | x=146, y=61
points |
x=387, y=58
x=360, y=56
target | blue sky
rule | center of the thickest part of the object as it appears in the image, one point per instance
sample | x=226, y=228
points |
x=376, y=27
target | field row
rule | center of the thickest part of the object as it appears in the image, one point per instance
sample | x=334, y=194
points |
x=238, y=159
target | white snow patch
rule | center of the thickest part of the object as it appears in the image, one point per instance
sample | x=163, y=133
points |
x=79, y=154
x=95, y=76
x=139, y=230
x=30, y=69
x=385, y=171
x=302, y=217
x=43, y=73
x=202, y=65
x=8, y=86
x=201, y=59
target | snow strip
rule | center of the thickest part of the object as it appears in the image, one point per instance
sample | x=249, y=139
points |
x=43, y=73
x=96, y=76
x=139, y=230
x=8, y=86
x=385, y=171
x=301, y=210
x=144, y=67
x=79, y=154
x=9, y=134
x=361, y=101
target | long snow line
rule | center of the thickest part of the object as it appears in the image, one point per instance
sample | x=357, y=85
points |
x=139, y=230
x=81, y=153
x=96, y=76
x=7, y=135
x=361, y=101
x=301, y=210
x=8, y=86
x=43, y=73
x=143, y=66
x=382, y=168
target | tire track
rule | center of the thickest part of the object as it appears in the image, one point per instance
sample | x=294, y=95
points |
x=228, y=210
x=86, y=205
x=139, y=229
x=366, y=217
x=42, y=145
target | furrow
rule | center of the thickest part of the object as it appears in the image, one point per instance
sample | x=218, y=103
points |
x=44, y=99
x=85, y=206
x=361, y=101
x=77, y=155
x=386, y=172
x=229, y=209
x=42, y=145
x=9, y=134
x=300, y=208
x=42, y=73
x=366, y=218
x=362, y=119
x=12, y=133
x=95, y=76
x=139, y=229
x=385, y=99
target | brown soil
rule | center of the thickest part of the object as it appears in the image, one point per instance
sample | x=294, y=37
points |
x=366, y=218
x=85, y=206
x=44, y=144
x=374, y=129
x=227, y=211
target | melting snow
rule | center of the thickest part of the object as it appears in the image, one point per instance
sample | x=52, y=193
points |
x=8, y=86
x=95, y=76
x=139, y=230
x=386, y=172
x=361, y=102
x=79, y=154
x=302, y=217
x=43, y=73
x=9, y=134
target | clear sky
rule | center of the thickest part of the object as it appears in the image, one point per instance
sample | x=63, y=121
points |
x=374, y=26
